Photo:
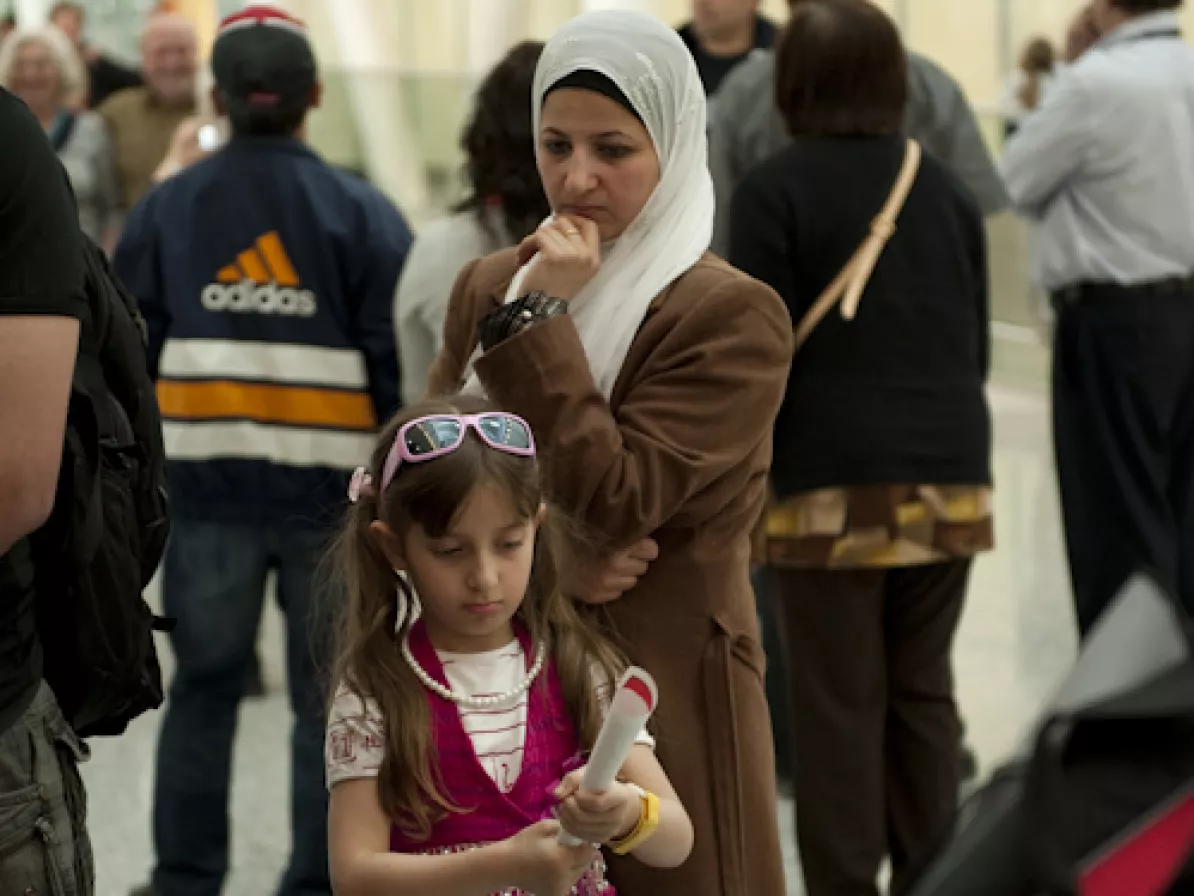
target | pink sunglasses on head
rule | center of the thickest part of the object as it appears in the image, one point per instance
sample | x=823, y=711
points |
x=438, y=434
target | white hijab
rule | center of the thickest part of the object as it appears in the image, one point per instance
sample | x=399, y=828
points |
x=651, y=65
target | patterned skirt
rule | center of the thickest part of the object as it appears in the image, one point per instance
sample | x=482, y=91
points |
x=879, y=526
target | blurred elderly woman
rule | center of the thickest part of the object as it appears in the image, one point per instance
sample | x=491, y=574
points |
x=41, y=68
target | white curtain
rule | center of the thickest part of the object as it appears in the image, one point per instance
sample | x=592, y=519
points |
x=494, y=26
x=31, y=13
x=356, y=38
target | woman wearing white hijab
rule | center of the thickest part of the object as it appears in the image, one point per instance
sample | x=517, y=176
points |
x=651, y=372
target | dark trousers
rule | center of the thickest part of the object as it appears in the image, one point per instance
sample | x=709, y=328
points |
x=214, y=585
x=776, y=680
x=1123, y=410
x=874, y=723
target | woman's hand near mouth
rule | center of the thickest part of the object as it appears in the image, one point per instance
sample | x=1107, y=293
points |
x=567, y=253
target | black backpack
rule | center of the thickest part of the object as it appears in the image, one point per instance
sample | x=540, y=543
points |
x=108, y=530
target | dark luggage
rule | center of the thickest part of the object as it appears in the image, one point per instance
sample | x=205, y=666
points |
x=1102, y=802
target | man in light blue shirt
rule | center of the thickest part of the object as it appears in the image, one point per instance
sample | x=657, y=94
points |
x=1105, y=168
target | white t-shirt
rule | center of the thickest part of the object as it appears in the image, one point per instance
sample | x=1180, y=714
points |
x=439, y=253
x=356, y=740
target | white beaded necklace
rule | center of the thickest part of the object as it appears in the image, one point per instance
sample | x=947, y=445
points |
x=414, y=608
x=463, y=699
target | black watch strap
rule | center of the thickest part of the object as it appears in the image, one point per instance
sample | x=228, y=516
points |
x=514, y=317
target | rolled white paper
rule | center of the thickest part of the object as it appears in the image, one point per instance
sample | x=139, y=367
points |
x=634, y=700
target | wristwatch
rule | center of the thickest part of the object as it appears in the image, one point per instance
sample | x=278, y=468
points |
x=514, y=317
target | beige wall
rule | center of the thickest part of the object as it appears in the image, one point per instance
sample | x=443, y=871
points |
x=978, y=41
x=204, y=15
x=423, y=57
x=971, y=38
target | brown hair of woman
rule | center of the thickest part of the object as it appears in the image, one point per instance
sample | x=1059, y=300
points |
x=500, y=145
x=841, y=70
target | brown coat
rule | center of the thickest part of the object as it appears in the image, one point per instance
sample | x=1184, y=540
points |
x=680, y=453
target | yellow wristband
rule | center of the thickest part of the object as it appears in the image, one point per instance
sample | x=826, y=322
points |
x=648, y=824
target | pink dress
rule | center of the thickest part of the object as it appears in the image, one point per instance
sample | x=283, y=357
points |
x=550, y=752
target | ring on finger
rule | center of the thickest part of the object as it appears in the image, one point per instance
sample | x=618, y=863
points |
x=571, y=231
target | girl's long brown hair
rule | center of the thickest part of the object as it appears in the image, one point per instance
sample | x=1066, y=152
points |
x=368, y=661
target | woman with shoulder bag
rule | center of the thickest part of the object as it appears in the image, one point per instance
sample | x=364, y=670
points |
x=882, y=447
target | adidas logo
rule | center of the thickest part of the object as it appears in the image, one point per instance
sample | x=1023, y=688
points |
x=262, y=281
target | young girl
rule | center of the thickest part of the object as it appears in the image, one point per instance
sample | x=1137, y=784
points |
x=470, y=684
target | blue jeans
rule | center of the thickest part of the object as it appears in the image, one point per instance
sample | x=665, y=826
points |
x=214, y=585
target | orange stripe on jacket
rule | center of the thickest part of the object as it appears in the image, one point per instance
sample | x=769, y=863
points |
x=271, y=248
x=266, y=403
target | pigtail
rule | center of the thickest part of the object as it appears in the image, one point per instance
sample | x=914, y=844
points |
x=365, y=582
x=369, y=664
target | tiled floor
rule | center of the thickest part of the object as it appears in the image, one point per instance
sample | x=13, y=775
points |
x=1015, y=644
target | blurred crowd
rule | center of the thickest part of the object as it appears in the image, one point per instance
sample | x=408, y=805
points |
x=785, y=230
x=116, y=129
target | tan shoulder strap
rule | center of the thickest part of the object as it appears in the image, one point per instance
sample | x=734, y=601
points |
x=852, y=281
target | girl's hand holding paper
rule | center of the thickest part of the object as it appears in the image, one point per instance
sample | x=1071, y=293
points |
x=599, y=803
x=596, y=817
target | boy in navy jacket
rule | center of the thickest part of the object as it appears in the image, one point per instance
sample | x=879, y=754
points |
x=267, y=280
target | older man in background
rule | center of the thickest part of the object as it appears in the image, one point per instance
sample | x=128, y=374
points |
x=722, y=34
x=143, y=120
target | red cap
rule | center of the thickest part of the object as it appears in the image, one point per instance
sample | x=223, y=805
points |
x=263, y=63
